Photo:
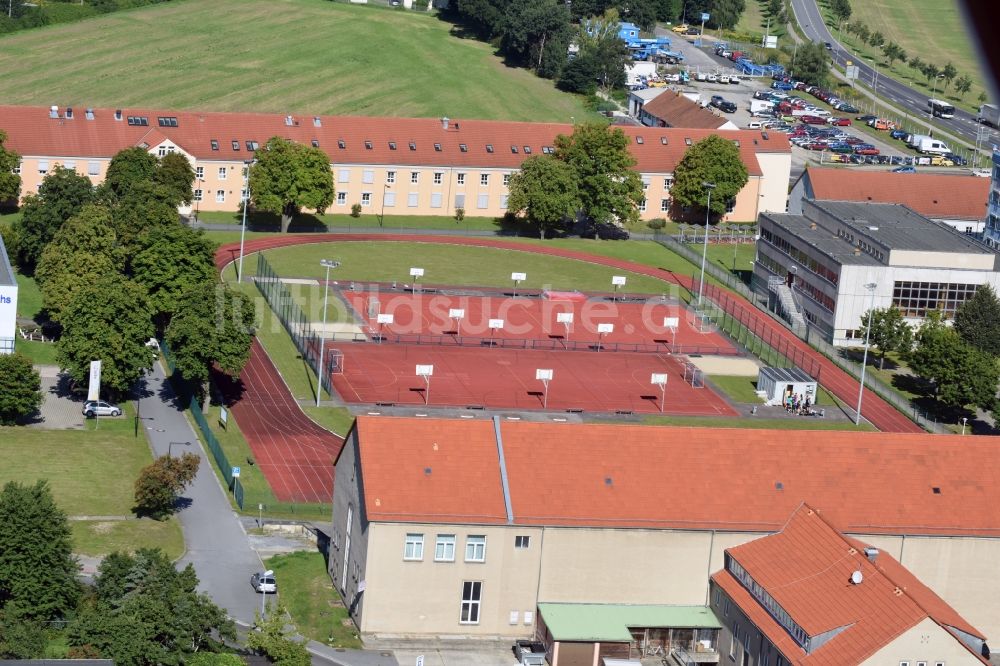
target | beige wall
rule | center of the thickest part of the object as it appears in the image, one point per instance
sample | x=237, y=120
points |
x=221, y=185
x=421, y=597
x=963, y=260
x=927, y=643
x=31, y=175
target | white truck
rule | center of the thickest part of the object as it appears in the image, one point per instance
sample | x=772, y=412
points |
x=760, y=105
x=928, y=145
x=989, y=114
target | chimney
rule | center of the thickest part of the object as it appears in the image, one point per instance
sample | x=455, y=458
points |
x=871, y=554
x=444, y=123
x=69, y=112
x=118, y=114
x=53, y=111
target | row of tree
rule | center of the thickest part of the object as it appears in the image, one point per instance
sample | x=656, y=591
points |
x=140, y=610
x=591, y=176
x=960, y=364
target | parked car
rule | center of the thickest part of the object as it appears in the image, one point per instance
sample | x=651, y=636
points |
x=957, y=160
x=904, y=169
x=867, y=118
x=692, y=31
x=724, y=79
x=700, y=76
x=263, y=582
x=680, y=29
x=839, y=122
x=734, y=79
x=829, y=46
x=813, y=120
x=712, y=78
x=899, y=134
x=93, y=408
x=846, y=108
x=941, y=160
x=866, y=149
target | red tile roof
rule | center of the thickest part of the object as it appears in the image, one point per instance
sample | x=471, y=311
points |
x=807, y=567
x=677, y=110
x=933, y=195
x=31, y=132
x=730, y=479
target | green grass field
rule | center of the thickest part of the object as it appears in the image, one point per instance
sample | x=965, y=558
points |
x=40, y=353
x=931, y=29
x=91, y=474
x=317, y=610
x=29, y=296
x=289, y=56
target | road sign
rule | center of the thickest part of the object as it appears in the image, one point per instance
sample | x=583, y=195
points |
x=236, y=472
x=851, y=72
x=770, y=42
x=705, y=17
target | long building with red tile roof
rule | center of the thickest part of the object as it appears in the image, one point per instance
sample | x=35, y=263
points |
x=958, y=200
x=642, y=514
x=415, y=166
x=811, y=596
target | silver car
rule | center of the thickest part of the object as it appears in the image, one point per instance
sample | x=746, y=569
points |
x=93, y=408
x=264, y=583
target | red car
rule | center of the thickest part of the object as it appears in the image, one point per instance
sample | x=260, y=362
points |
x=839, y=122
x=867, y=150
x=813, y=120
x=816, y=145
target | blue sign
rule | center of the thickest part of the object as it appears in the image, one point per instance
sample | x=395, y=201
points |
x=236, y=472
x=704, y=18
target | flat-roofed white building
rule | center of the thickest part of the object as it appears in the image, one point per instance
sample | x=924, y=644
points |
x=8, y=303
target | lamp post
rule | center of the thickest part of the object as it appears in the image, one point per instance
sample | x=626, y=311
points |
x=964, y=420
x=381, y=217
x=874, y=63
x=171, y=445
x=864, y=361
x=327, y=264
x=704, y=252
x=930, y=107
x=243, y=227
x=197, y=201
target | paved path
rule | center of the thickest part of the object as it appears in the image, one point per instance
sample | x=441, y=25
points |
x=882, y=415
x=216, y=544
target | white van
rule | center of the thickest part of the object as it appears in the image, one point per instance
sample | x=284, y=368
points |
x=928, y=145
x=755, y=125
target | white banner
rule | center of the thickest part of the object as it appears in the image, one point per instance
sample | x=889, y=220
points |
x=94, y=386
x=8, y=311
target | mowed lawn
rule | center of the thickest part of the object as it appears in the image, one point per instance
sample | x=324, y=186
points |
x=277, y=56
x=934, y=30
x=91, y=474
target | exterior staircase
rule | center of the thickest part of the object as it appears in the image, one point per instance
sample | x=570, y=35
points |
x=786, y=299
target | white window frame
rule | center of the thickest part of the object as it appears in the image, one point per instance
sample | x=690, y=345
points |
x=220, y=196
x=161, y=151
x=198, y=194
x=472, y=606
x=341, y=198
x=43, y=166
x=506, y=179
x=17, y=168
x=735, y=639
x=522, y=541
x=483, y=201
x=668, y=182
x=484, y=179
x=475, y=548
x=642, y=205
x=223, y=171
x=389, y=199
x=459, y=178
x=412, y=200
x=199, y=172
x=436, y=200
x=368, y=176
x=413, y=547
x=438, y=177
x=69, y=164
x=414, y=177
x=441, y=547
x=390, y=177
x=664, y=205
x=366, y=199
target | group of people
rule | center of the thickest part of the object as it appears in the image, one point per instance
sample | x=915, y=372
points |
x=799, y=404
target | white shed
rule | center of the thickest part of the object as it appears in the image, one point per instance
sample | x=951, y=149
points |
x=774, y=384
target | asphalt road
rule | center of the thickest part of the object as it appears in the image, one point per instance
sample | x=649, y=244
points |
x=963, y=125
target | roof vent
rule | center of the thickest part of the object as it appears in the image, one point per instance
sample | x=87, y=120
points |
x=53, y=111
x=857, y=577
x=456, y=126
x=118, y=114
x=317, y=122
x=871, y=554
x=444, y=123
x=936, y=490
x=872, y=228
x=608, y=481
x=289, y=121
x=427, y=471
x=69, y=112
x=778, y=485
x=89, y=114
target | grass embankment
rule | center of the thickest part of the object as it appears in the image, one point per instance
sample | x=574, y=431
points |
x=91, y=474
x=933, y=30
x=316, y=608
x=347, y=59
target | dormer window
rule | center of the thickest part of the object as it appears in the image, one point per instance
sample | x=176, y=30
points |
x=368, y=145
x=341, y=144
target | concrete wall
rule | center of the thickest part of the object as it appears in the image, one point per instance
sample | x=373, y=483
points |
x=926, y=643
x=348, y=563
x=773, y=192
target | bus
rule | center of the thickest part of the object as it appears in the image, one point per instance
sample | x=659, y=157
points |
x=941, y=109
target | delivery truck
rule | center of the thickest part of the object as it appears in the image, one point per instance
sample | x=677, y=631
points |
x=989, y=114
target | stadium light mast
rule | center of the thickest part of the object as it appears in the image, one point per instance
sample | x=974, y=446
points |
x=704, y=252
x=327, y=264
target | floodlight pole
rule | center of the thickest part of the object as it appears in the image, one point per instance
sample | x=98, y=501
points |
x=243, y=227
x=864, y=361
x=704, y=252
x=327, y=264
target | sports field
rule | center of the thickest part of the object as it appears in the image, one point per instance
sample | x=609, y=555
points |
x=284, y=56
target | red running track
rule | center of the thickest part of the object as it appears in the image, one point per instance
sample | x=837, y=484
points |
x=536, y=318
x=882, y=415
x=505, y=378
x=294, y=454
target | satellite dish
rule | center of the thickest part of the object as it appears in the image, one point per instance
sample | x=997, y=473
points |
x=857, y=577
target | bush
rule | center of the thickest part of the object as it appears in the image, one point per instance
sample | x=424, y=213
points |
x=459, y=214
x=356, y=210
x=20, y=388
x=657, y=223
x=160, y=483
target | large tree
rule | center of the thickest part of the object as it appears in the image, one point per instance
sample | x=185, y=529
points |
x=485, y=17
x=129, y=167
x=161, y=482
x=172, y=260
x=545, y=190
x=600, y=43
x=62, y=194
x=146, y=611
x=978, y=321
x=10, y=182
x=288, y=177
x=715, y=160
x=37, y=567
x=175, y=174
x=143, y=207
x=20, y=388
x=274, y=641
x=889, y=331
x=212, y=325
x=959, y=374
x=536, y=33
x=841, y=9
x=107, y=319
x=812, y=64
x=83, y=250
x=726, y=13
x=608, y=186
